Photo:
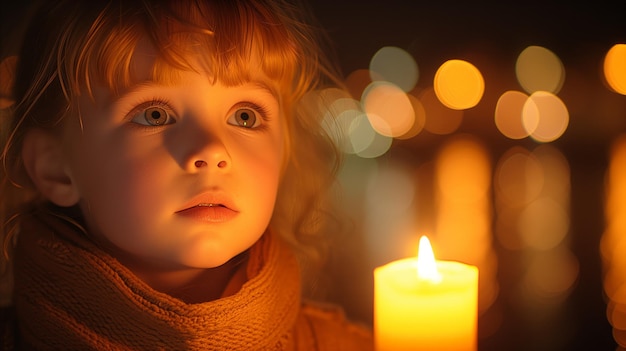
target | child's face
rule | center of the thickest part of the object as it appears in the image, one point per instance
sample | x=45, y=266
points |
x=183, y=175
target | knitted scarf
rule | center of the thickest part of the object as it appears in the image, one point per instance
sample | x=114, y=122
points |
x=71, y=295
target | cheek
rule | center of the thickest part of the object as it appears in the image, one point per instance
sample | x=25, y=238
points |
x=121, y=191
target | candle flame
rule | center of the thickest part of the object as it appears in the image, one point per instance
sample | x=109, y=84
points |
x=426, y=264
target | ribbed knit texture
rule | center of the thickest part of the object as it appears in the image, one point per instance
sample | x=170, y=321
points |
x=71, y=295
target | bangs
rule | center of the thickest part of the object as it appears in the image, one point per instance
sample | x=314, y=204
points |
x=229, y=41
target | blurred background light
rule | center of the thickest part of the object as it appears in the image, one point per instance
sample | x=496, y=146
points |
x=615, y=68
x=613, y=244
x=379, y=145
x=543, y=224
x=389, y=109
x=440, y=119
x=420, y=119
x=389, y=214
x=539, y=69
x=545, y=116
x=458, y=84
x=508, y=114
x=396, y=66
x=357, y=81
x=543, y=135
x=550, y=275
x=462, y=175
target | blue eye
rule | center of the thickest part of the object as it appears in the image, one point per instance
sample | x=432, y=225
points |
x=154, y=116
x=245, y=117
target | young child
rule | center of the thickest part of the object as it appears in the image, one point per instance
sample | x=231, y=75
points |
x=173, y=182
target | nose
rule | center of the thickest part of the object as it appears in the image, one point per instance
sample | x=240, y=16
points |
x=208, y=153
x=200, y=149
x=201, y=164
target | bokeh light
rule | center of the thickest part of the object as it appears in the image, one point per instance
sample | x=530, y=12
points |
x=532, y=198
x=550, y=275
x=539, y=69
x=353, y=133
x=440, y=119
x=357, y=81
x=378, y=147
x=545, y=116
x=458, y=84
x=347, y=125
x=615, y=68
x=361, y=134
x=557, y=183
x=463, y=170
x=389, y=211
x=543, y=224
x=519, y=177
x=420, y=119
x=532, y=207
x=463, y=222
x=339, y=111
x=613, y=243
x=508, y=115
x=396, y=66
x=389, y=109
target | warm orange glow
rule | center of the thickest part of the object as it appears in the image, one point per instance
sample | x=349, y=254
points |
x=519, y=177
x=463, y=170
x=439, y=119
x=420, y=119
x=426, y=265
x=508, y=115
x=459, y=84
x=615, y=68
x=463, y=211
x=545, y=116
x=533, y=198
x=613, y=243
x=550, y=275
x=543, y=224
x=357, y=81
x=411, y=313
x=388, y=108
x=539, y=69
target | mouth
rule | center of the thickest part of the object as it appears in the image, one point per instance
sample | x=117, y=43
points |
x=209, y=207
x=209, y=213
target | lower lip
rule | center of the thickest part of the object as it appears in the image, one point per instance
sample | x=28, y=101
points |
x=214, y=214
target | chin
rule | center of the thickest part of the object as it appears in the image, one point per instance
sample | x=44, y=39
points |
x=204, y=263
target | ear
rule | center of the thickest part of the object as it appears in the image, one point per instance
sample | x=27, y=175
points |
x=45, y=163
x=7, y=72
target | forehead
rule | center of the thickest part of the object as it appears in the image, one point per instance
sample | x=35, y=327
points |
x=231, y=44
x=147, y=66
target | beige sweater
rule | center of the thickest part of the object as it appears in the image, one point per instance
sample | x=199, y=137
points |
x=71, y=295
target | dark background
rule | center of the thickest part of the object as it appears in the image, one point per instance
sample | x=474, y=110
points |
x=490, y=35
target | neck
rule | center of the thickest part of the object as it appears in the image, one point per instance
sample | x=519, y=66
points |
x=191, y=285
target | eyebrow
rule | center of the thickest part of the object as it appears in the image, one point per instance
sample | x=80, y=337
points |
x=261, y=84
x=134, y=89
x=149, y=84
